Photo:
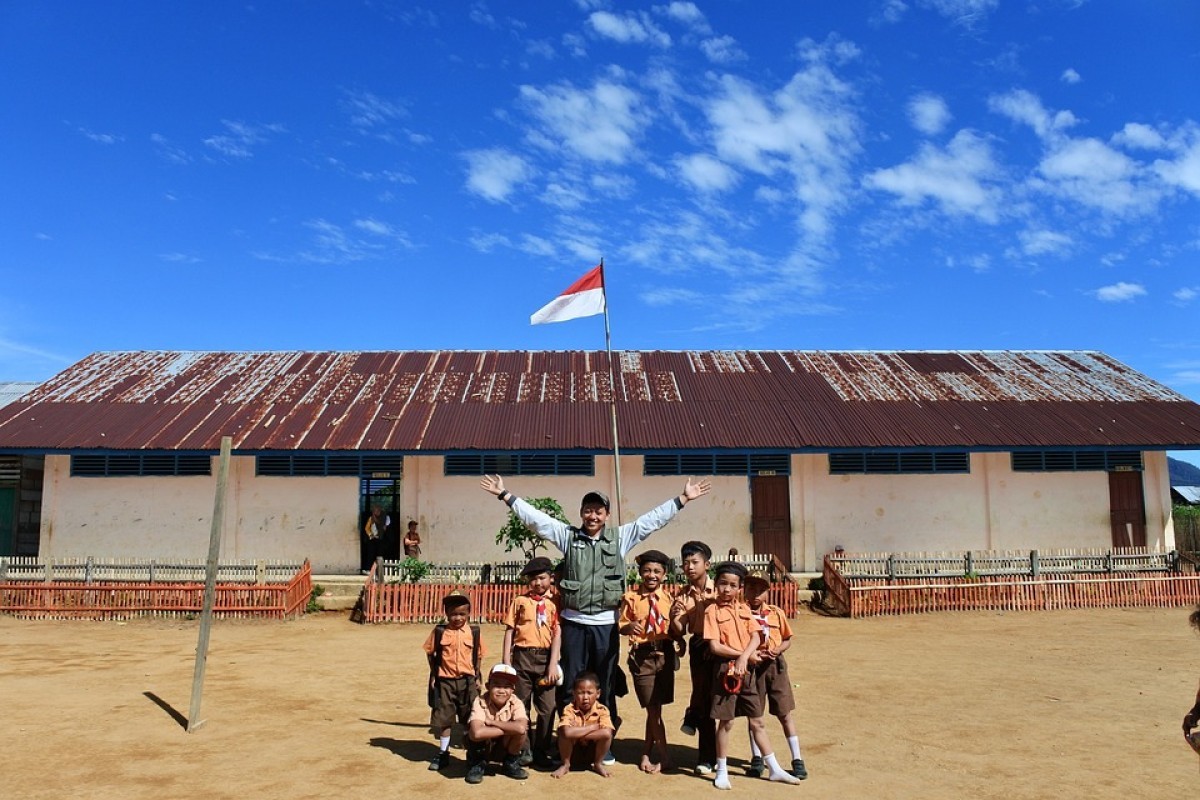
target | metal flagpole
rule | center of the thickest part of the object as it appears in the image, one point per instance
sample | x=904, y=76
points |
x=612, y=382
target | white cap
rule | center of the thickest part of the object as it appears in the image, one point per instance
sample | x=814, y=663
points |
x=502, y=671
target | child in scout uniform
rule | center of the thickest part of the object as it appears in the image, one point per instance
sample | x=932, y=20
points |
x=531, y=645
x=585, y=727
x=732, y=637
x=770, y=671
x=687, y=616
x=645, y=619
x=498, y=727
x=454, y=650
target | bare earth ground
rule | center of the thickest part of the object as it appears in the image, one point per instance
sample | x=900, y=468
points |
x=958, y=705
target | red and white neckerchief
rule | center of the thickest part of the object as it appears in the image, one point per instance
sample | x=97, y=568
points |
x=540, y=617
x=655, y=621
x=763, y=620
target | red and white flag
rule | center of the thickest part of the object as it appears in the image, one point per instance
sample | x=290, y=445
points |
x=583, y=298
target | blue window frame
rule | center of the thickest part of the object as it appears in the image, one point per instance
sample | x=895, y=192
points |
x=716, y=464
x=139, y=464
x=321, y=465
x=1077, y=461
x=519, y=464
x=899, y=462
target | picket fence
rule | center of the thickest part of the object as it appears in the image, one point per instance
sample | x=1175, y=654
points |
x=123, y=589
x=875, y=584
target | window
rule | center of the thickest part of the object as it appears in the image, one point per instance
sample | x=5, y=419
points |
x=903, y=462
x=716, y=464
x=1077, y=460
x=327, y=464
x=112, y=465
x=520, y=464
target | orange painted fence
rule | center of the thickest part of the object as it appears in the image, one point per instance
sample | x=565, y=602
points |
x=869, y=597
x=422, y=602
x=124, y=599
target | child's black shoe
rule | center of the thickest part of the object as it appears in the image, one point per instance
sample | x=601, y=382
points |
x=526, y=756
x=798, y=768
x=513, y=769
x=755, y=770
x=440, y=761
x=476, y=772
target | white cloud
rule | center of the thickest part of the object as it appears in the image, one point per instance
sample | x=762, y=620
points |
x=1120, y=292
x=890, y=12
x=722, y=50
x=966, y=13
x=1187, y=294
x=179, y=258
x=955, y=178
x=705, y=173
x=1094, y=175
x=1043, y=242
x=1139, y=136
x=495, y=173
x=101, y=138
x=928, y=113
x=1023, y=106
x=240, y=137
x=1184, y=170
x=382, y=229
x=168, y=151
x=687, y=14
x=628, y=29
x=366, y=110
x=598, y=124
x=1070, y=76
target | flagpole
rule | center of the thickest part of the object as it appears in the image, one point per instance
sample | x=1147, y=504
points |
x=612, y=382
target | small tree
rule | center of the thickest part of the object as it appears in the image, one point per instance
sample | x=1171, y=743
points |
x=515, y=536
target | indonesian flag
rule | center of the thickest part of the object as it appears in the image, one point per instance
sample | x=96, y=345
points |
x=583, y=298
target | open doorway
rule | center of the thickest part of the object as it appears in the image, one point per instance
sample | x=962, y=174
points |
x=384, y=493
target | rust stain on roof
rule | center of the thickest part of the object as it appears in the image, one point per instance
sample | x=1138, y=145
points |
x=455, y=400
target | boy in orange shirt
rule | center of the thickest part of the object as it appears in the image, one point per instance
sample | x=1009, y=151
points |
x=645, y=619
x=498, y=727
x=531, y=646
x=770, y=672
x=732, y=637
x=687, y=616
x=585, y=726
x=454, y=650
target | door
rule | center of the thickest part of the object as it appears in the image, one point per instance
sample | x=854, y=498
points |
x=1127, y=509
x=771, y=516
x=8, y=522
x=385, y=493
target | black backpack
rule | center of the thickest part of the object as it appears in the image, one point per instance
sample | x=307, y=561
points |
x=435, y=660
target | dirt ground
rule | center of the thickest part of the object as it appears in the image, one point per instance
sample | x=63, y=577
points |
x=958, y=705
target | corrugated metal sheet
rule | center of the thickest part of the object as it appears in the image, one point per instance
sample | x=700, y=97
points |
x=11, y=390
x=455, y=400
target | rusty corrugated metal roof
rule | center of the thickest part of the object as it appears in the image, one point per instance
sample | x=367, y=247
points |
x=534, y=400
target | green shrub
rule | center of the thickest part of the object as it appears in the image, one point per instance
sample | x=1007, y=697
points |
x=515, y=536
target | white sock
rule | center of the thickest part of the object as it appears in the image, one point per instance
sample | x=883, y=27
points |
x=777, y=773
x=754, y=751
x=794, y=743
x=445, y=743
x=722, y=779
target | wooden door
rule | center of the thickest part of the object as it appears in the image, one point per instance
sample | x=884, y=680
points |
x=771, y=516
x=8, y=521
x=1127, y=509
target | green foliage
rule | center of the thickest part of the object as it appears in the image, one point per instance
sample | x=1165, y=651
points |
x=313, y=604
x=515, y=536
x=1184, y=511
x=413, y=569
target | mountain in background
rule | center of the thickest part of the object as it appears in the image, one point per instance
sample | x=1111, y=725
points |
x=1182, y=473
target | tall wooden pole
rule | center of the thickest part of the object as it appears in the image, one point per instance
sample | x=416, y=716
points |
x=612, y=382
x=210, y=584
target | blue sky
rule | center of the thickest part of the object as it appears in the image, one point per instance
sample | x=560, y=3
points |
x=886, y=174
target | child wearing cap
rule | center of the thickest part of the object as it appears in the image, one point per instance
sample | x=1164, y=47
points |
x=732, y=637
x=593, y=579
x=497, y=727
x=645, y=619
x=454, y=650
x=769, y=670
x=531, y=648
x=586, y=727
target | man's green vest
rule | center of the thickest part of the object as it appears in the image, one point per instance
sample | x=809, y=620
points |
x=593, y=573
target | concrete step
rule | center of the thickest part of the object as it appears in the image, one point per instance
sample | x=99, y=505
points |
x=341, y=591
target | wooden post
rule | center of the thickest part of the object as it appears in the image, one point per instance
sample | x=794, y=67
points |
x=210, y=584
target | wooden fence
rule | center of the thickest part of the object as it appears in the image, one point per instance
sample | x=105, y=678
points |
x=88, y=569
x=422, y=602
x=873, y=584
x=122, y=599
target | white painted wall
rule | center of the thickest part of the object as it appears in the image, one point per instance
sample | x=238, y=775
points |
x=317, y=518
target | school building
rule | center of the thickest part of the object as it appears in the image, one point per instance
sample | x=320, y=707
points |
x=807, y=450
